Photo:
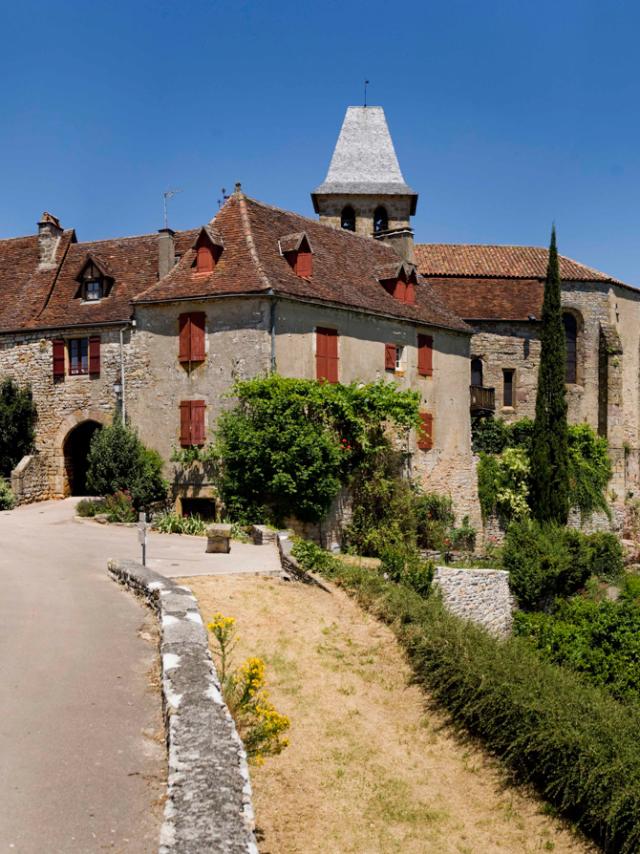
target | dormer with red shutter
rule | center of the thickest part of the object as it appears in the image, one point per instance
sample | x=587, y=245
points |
x=208, y=247
x=95, y=279
x=400, y=281
x=296, y=250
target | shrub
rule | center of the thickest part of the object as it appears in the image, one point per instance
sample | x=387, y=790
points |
x=288, y=444
x=589, y=470
x=405, y=566
x=573, y=741
x=119, y=508
x=606, y=556
x=489, y=435
x=7, y=498
x=433, y=519
x=312, y=557
x=118, y=461
x=18, y=418
x=90, y=507
x=503, y=484
x=544, y=561
x=600, y=640
x=171, y=523
x=464, y=537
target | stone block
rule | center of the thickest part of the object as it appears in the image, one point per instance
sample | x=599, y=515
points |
x=218, y=539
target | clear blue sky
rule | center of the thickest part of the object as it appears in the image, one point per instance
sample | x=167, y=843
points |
x=506, y=114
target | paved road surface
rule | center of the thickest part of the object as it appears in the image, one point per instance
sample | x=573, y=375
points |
x=79, y=771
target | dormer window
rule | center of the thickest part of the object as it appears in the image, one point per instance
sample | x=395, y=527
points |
x=380, y=220
x=399, y=280
x=208, y=248
x=95, y=281
x=296, y=250
x=348, y=218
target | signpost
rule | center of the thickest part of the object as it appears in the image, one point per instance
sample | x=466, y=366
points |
x=142, y=535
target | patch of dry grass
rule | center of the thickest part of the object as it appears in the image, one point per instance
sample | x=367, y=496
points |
x=368, y=769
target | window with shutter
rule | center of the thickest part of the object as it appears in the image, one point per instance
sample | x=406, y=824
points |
x=204, y=259
x=400, y=290
x=78, y=356
x=389, y=357
x=425, y=355
x=192, y=423
x=410, y=294
x=94, y=355
x=425, y=431
x=192, y=337
x=327, y=354
x=58, y=359
x=303, y=265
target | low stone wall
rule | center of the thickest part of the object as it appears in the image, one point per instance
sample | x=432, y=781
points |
x=208, y=806
x=29, y=480
x=479, y=595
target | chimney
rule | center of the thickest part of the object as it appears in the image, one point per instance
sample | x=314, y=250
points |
x=49, y=233
x=401, y=239
x=166, y=251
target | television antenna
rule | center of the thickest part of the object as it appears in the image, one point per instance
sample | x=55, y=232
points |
x=366, y=83
x=168, y=194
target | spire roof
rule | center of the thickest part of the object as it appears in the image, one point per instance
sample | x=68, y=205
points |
x=364, y=159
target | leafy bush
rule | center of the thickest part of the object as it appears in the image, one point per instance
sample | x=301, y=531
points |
x=600, y=640
x=607, y=560
x=288, y=444
x=7, y=498
x=119, y=507
x=312, y=557
x=405, y=566
x=171, y=523
x=118, y=461
x=503, y=484
x=545, y=561
x=589, y=470
x=573, y=741
x=18, y=418
x=90, y=507
x=434, y=518
x=463, y=538
x=489, y=435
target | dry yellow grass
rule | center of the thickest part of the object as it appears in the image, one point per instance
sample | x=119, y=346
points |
x=368, y=769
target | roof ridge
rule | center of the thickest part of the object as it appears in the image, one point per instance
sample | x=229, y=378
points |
x=248, y=236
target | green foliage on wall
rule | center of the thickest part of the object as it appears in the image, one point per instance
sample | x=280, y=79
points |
x=549, y=479
x=288, y=444
x=18, y=418
x=119, y=462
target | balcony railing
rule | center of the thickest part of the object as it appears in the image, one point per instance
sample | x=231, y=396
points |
x=482, y=399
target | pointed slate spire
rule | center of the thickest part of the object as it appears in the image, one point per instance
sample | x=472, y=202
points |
x=364, y=161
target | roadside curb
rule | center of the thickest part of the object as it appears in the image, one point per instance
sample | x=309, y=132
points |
x=209, y=807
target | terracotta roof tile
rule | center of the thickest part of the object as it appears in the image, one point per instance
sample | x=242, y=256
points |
x=345, y=266
x=491, y=299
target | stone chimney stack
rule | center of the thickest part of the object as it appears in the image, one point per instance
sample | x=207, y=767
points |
x=166, y=251
x=49, y=234
x=402, y=241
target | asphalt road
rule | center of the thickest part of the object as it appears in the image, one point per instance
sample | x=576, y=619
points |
x=80, y=769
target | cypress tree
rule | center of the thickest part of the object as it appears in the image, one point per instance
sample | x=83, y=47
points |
x=549, y=479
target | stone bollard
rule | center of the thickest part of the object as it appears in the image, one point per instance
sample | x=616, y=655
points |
x=262, y=535
x=218, y=539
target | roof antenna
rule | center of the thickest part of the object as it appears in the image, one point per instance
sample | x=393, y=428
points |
x=224, y=197
x=168, y=194
x=366, y=83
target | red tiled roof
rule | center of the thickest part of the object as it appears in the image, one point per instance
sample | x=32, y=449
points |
x=344, y=266
x=503, y=262
x=491, y=299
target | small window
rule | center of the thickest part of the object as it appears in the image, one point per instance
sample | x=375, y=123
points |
x=348, y=219
x=380, y=220
x=425, y=355
x=476, y=372
x=571, y=337
x=78, y=356
x=399, y=358
x=204, y=259
x=507, y=387
x=93, y=290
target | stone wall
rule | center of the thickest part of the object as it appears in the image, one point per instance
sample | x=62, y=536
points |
x=398, y=210
x=479, y=595
x=29, y=481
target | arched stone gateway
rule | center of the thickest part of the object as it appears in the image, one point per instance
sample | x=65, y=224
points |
x=72, y=447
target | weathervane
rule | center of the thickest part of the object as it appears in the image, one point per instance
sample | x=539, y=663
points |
x=168, y=194
x=224, y=197
x=366, y=83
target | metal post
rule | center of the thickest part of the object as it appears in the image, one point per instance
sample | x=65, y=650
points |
x=142, y=535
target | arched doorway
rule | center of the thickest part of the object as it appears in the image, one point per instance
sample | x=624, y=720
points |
x=76, y=450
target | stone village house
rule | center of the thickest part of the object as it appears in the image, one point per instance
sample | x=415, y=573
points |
x=160, y=325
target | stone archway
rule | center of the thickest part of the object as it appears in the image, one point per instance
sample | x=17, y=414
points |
x=76, y=451
x=66, y=444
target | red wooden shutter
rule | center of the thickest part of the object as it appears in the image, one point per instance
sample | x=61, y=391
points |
x=410, y=294
x=204, y=260
x=198, y=434
x=58, y=359
x=400, y=290
x=304, y=264
x=196, y=336
x=185, y=423
x=425, y=355
x=327, y=354
x=390, y=353
x=94, y=356
x=425, y=431
x=184, y=322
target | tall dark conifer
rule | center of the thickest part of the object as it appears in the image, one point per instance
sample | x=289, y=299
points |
x=549, y=496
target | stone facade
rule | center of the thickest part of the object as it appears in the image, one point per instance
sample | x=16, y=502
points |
x=479, y=595
x=398, y=210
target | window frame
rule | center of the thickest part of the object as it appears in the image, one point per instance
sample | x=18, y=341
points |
x=76, y=360
x=512, y=373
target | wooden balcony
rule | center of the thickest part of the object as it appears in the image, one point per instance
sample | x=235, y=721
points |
x=483, y=400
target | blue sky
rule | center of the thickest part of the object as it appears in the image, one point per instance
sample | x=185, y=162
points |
x=506, y=114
